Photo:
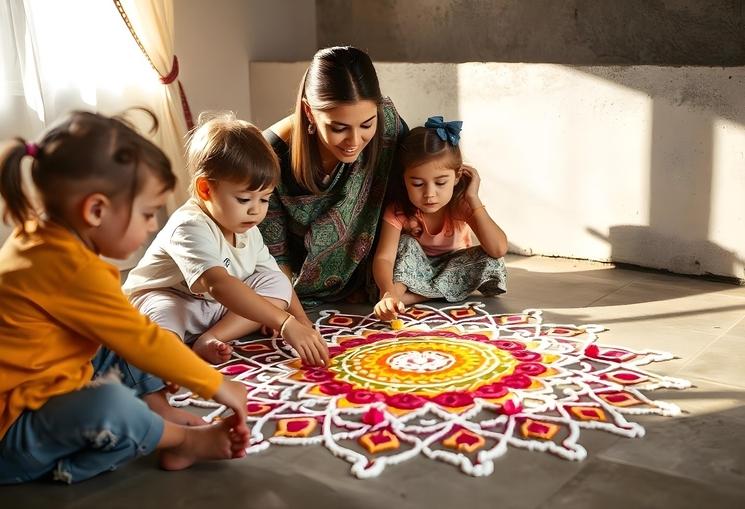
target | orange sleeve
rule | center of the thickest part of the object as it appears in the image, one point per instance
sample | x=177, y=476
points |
x=96, y=308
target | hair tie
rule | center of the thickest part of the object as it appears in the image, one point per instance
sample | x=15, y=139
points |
x=32, y=149
x=446, y=131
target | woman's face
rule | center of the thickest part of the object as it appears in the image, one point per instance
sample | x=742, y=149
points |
x=344, y=131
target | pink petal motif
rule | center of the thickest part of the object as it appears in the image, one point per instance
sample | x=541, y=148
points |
x=476, y=337
x=335, y=388
x=373, y=417
x=616, y=355
x=536, y=429
x=362, y=396
x=526, y=355
x=235, y=369
x=381, y=335
x=334, y=351
x=530, y=368
x=621, y=399
x=505, y=344
x=626, y=377
x=253, y=408
x=609, y=354
x=466, y=439
x=297, y=425
x=517, y=381
x=354, y=343
x=592, y=351
x=491, y=391
x=511, y=407
x=379, y=441
x=317, y=375
x=588, y=413
x=405, y=401
x=453, y=399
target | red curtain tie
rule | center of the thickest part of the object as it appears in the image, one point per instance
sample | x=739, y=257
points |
x=171, y=76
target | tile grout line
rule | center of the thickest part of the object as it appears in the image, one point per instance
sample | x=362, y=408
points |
x=702, y=350
x=609, y=294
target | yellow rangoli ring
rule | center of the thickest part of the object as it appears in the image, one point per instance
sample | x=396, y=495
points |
x=427, y=364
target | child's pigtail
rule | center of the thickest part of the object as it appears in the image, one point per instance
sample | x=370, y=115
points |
x=18, y=208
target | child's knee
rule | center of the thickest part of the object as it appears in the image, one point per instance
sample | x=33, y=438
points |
x=275, y=285
x=111, y=405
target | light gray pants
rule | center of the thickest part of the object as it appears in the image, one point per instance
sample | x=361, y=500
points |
x=189, y=316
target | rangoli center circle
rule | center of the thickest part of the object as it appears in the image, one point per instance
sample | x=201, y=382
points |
x=428, y=364
x=415, y=361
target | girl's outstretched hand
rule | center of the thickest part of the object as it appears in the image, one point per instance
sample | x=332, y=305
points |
x=233, y=395
x=307, y=342
x=388, y=307
x=472, y=191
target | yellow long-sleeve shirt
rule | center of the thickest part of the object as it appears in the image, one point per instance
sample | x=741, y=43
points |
x=59, y=303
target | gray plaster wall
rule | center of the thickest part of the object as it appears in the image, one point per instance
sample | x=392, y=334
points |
x=583, y=32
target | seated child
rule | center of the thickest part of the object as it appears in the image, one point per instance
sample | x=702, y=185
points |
x=424, y=250
x=207, y=276
x=68, y=333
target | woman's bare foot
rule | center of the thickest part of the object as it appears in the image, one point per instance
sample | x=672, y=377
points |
x=158, y=403
x=212, y=349
x=213, y=442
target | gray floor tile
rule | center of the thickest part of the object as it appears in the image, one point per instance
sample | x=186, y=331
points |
x=722, y=361
x=620, y=486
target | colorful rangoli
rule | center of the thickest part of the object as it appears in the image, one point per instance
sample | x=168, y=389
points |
x=455, y=384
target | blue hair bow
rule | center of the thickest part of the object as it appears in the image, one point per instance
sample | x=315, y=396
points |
x=447, y=131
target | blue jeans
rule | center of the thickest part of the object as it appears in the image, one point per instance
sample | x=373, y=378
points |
x=83, y=433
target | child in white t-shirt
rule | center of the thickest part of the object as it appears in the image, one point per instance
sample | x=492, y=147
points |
x=208, y=276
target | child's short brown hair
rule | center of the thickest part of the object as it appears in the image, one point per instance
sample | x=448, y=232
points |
x=222, y=147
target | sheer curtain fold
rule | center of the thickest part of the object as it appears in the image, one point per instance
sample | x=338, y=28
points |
x=58, y=56
x=151, y=24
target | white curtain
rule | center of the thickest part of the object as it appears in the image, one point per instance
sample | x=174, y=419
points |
x=57, y=56
x=151, y=25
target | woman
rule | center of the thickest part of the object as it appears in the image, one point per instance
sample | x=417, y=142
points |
x=336, y=153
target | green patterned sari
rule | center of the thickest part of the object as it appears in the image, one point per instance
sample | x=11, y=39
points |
x=327, y=239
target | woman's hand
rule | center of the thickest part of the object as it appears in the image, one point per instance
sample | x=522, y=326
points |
x=307, y=342
x=388, y=307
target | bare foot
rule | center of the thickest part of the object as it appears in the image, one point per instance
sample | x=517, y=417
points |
x=158, y=403
x=178, y=416
x=214, y=442
x=212, y=349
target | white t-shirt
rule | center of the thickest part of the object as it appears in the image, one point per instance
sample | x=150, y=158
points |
x=188, y=245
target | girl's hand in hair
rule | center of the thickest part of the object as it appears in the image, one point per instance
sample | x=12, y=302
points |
x=474, y=182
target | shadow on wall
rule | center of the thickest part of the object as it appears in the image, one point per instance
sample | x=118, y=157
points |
x=684, y=200
x=627, y=240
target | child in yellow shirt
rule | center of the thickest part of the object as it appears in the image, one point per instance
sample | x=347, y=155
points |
x=67, y=332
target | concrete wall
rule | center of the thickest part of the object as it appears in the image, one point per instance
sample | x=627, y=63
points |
x=631, y=164
x=217, y=39
x=213, y=50
x=586, y=32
